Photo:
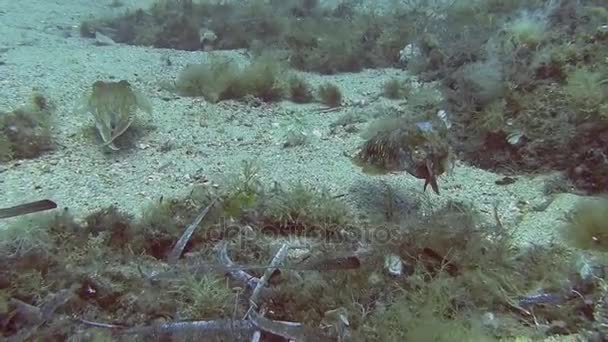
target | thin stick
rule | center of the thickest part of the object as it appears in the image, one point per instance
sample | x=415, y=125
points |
x=56, y=301
x=100, y=325
x=27, y=208
x=330, y=109
x=274, y=264
x=256, y=337
x=183, y=240
x=251, y=281
x=31, y=313
x=212, y=327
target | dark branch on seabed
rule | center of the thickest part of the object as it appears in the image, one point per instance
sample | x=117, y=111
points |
x=251, y=325
x=27, y=208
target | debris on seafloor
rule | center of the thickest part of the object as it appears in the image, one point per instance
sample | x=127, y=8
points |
x=251, y=325
x=27, y=208
x=177, y=250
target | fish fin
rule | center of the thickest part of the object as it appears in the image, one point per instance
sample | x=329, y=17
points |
x=110, y=142
x=112, y=146
x=103, y=130
x=434, y=185
x=431, y=178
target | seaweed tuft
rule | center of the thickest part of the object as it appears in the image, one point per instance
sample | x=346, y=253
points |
x=330, y=95
x=302, y=210
x=299, y=90
x=203, y=297
x=223, y=79
x=587, y=227
x=25, y=133
x=395, y=89
x=116, y=223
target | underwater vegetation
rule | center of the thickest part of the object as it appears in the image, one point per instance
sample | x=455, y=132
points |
x=587, y=226
x=517, y=85
x=526, y=89
x=330, y=95
x=300, y=90
x=109, y=275
x=432, y=276
x=223, y=79
x=310, y=36
x=25, y=132
x=264, y=79
x=396, y=89
x=523, y=82
x=114, y=106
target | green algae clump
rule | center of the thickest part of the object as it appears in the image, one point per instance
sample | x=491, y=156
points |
x=588, y=225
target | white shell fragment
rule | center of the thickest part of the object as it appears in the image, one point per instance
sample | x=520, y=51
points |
x=443, y=116
x=515, y=137
x=393, y=265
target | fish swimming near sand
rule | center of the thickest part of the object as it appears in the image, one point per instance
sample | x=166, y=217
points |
x=114, y=106
x=418, y=148
x=27, y=208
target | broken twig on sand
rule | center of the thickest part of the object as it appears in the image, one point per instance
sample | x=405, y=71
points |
x=177, y=250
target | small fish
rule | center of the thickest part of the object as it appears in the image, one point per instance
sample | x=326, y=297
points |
x=27, y=208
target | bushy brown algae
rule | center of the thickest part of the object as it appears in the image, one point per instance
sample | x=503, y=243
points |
x=330, y=95
x=299, y=90
x=26, y=131
x=299, y=209
x=587, y=226
x=396, y=89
